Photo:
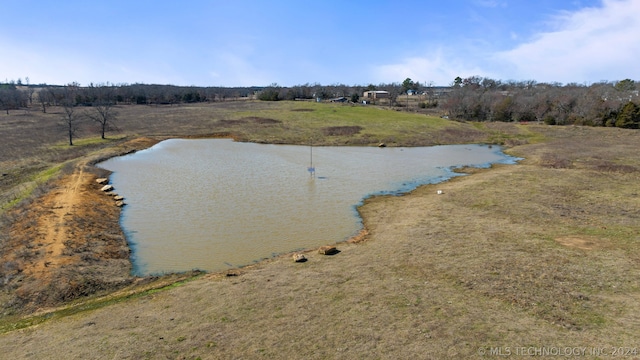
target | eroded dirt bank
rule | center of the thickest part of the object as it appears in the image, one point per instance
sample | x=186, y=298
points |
x=68, y=243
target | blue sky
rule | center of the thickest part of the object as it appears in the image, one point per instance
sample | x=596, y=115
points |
x=253, y=42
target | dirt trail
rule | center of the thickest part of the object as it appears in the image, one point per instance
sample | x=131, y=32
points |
x=68, y=243
x=63, y=204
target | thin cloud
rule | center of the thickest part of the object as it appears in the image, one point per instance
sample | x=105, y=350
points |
x=440, y=67
x=585, y=46
x=589, y=45
x=231, y=68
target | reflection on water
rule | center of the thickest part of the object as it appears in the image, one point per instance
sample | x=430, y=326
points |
x=214, y=203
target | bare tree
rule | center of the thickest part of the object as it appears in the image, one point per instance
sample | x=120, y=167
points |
x=104, y=109
x=394, y=89
x=56, y=95
x=71, y=118
x=6, y=99
x=104, y=115
x=11, y=98
x=44, y=98
x=29, y=90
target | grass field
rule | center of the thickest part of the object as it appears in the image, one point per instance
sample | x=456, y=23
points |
x=539, y=256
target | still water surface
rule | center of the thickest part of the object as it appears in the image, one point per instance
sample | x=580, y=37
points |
x=212, y=204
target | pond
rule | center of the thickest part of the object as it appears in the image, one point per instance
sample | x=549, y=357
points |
x=214, y=204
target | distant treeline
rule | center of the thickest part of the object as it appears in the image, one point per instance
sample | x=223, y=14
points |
x=14, y=96
x=615, y=103
x=600, y=104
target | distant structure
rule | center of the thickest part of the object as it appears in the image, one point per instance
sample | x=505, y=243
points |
x=376, y=94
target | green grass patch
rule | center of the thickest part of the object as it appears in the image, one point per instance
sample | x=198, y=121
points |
x=304, y=122
x=47, y=174
x=16, y=322
x=28, y=187
x=27, y=190
x=322, y=115
x=89, y=141
x=508, y=133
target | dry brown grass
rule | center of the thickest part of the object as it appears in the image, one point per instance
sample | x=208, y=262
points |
x=529, y=255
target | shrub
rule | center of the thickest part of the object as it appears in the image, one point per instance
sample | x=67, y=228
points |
x=428, y=105
x=269, y=95
x=629, y=116
x=549, y=120
x=527, y=116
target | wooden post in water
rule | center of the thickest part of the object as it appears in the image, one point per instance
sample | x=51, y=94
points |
x=311, y=169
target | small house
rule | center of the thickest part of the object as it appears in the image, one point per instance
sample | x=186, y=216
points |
x=376, y=94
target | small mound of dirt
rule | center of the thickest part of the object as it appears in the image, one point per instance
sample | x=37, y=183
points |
x=233, y=122
x=249, y=120
x=302, y=109
x=611, y=167
x=261, y=120
x=341, y=130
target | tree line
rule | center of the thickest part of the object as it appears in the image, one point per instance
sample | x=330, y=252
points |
x=97, y=102
x=14, y=96
x=615, y=103
x=600, y=104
